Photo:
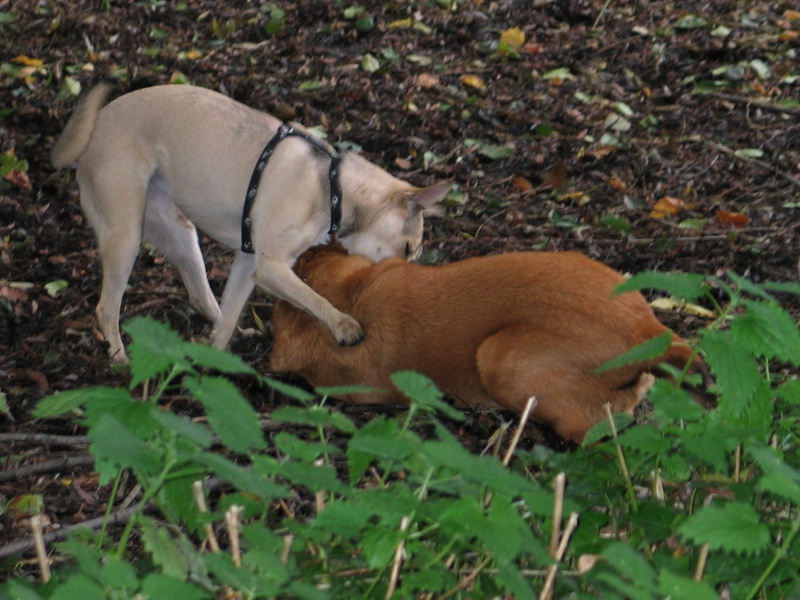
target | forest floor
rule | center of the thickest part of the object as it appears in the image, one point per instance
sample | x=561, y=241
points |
x=650, y=136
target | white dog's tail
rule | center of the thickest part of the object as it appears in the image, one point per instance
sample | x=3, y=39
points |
x=73, y=141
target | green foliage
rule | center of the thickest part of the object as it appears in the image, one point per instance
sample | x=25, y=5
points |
x=404, y=493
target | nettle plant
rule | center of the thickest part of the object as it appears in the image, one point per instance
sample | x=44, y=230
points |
x=688, y=503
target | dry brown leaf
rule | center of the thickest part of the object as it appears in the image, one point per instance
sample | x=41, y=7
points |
x=792, y=15
x=738, y=220
x=19, y=178
x=403, y=163
x=602, y=151
x=427, y=81
x=522, y=184
x=617, y=183
x=789, y=36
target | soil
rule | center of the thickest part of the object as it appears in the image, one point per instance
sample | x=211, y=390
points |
x=528, y=131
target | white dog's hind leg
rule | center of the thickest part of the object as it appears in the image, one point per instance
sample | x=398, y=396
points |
x=238, y=288
x=118, y=242
x=175, y=237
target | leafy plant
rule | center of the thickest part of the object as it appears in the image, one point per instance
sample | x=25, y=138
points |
x=687, y=503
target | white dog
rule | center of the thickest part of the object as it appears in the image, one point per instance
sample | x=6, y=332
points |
x=156, y=162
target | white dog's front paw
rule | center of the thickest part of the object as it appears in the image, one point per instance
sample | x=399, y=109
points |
x=348, y=332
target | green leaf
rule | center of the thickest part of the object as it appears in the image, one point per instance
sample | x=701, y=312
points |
x=292, y=391
x=54, y=287
x=675, y=586
x=735, y=369
x=379, y=545
x=369, y=63
x=310, y=85
x=78, y=586
x=769, y=331
x=343, y=390
x=342, y=519
x=185, y=428
x=779, y=478
x=113, y=441
x=733, y=527
x=688, y=286
x=313, y=416
x=422, y=390
x=62, y=403
x=690, y=22
x=292, y=445
x=176, y=556
x=629, y=563
x=219, y=360
x=559, y=73
x=244, y=479
x=229, y=414
x=119, y=574
x=157, y=585
x=652, y=348
x=154, y=350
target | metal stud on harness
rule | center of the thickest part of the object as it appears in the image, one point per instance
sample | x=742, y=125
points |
x=283, y=132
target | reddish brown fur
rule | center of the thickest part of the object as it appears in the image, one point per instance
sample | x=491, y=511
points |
x=491, y=332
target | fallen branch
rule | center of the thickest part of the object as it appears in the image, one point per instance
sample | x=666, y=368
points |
x=45, y=438
x=754, y=161
x=771, y=106
x=115, y=518
x=65, y=462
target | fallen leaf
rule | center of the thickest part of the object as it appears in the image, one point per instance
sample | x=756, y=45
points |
x=684, y=307
x=427, y=81
x=616, y=183
x=665, y=207
x=19, y=178
x=789, y=36
x=602, y=151
x=738, y=220
x=473, y=81
x=792, y=15
x=403, y=163
x=28, y=62
x=522, y=184
x=25, y=505
x=513, y=38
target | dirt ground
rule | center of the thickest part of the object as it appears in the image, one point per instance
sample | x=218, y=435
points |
x=656, y=135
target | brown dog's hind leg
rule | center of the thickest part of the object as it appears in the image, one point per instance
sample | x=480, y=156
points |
x=520, y=362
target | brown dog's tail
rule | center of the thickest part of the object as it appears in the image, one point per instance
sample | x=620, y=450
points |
x=78, y=131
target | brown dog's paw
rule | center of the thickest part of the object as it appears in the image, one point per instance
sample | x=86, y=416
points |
x=348, y=332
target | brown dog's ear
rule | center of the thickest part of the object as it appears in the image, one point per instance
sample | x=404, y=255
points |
x=430, y=198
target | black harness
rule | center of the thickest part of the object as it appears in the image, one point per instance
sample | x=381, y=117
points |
x=283, y=132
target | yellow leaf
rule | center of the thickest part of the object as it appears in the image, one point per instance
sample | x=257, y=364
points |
x=513, y=38
x=473, y=81
x=665, y=207
x=28, y=62
x=792, y=15
x=401, y=23
x=684, y=307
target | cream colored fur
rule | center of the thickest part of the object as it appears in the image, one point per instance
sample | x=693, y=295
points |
x=156, y=163
x=490, y=332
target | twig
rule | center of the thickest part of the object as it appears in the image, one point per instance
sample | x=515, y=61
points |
x=547, y=590
x=701, y=563
x=600, y=14
x=398, y=560
x=771, y=106
x=737, y=465
x=467, y=581
x=200, y=500
x=41, y=550
x=623, y=465
x=65, y=462
x=45, y=438
x=749, y=159
x=558, y=511
x=288, y=540
x=115, y=518
x=232, y=520
x=518, y=431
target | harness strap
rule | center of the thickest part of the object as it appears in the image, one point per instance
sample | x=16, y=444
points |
x=283, y=132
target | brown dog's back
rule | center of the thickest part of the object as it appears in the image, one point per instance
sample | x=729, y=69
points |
x=491, y=332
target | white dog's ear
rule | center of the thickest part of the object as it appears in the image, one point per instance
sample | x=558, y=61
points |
x=430, y=198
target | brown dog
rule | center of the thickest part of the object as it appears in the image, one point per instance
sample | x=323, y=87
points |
x=490, y=332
